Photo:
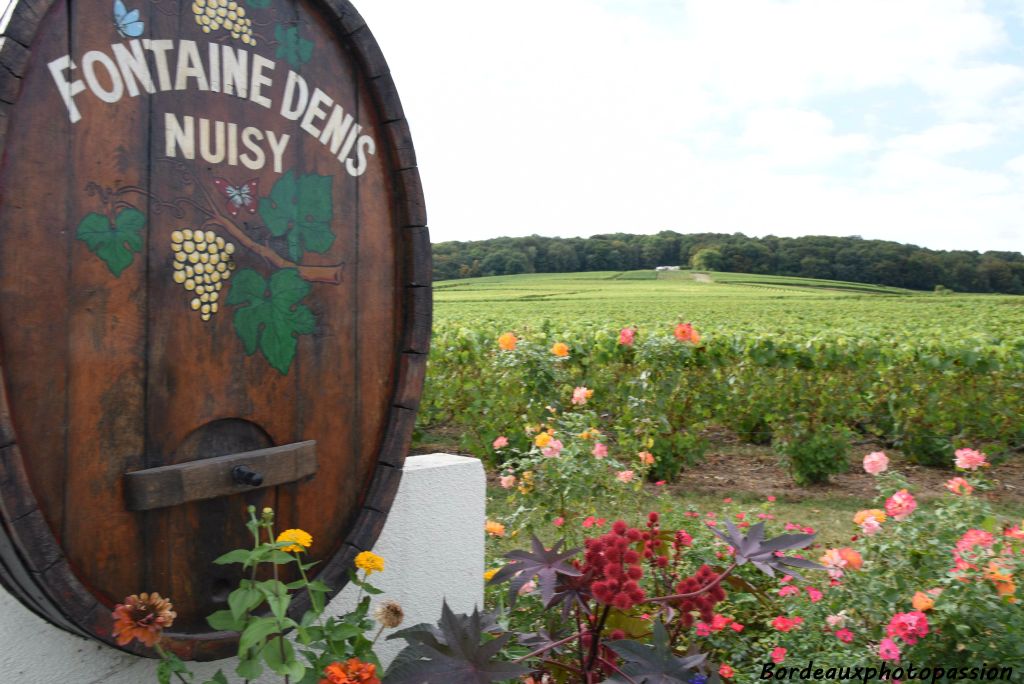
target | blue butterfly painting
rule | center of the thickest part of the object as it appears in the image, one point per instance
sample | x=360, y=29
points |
x=127, y=23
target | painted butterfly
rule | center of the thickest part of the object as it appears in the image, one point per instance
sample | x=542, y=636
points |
x=238, y=196
x=127, y=23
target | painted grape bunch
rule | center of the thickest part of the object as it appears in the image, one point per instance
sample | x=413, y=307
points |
x=202, y=263
x=213, y=15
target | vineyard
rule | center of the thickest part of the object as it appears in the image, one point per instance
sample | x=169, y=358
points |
x=806, y=366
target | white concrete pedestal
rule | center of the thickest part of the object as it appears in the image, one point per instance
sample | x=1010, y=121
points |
x=433, y=549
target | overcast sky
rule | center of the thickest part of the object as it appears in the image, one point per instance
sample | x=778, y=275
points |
x=894, y=119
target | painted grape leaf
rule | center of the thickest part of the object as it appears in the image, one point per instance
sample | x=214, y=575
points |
x=292, y=47
x=300, y=208
x=115, y=244
x=269, y=317
x=258, y=4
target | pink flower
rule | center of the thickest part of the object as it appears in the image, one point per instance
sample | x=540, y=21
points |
x=870, y=526
x=580, y=395
x=959, y=486
x=771, y=497
x=888, y=650
x=558, y=522
x=789, y=590
x=908, y=626
x=500, y=443
x=626, y=336
x=736, y=627
x=703, y=629
x=900, y=505
x=727, y=499
x=969, y=459
x=659, y=483
x=876, y=462
x=834, y=621
x=507, y=481
x=814, y=594
x=527, y=588
x=600, y=450
x=719, y=622
x=785, y=624
x=844, y=635
x=778, y=654
x=591, y=521
x=553, y=448
x=625, y=476
x=646, y=457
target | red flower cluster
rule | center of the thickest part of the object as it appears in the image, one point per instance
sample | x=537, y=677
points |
x=908, y=626
x=614, y=567
x=703, y=603
x=785, y=624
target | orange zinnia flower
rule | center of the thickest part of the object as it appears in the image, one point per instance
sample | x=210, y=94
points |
x=495, y=529
x=352, y=671
x=853, y=559
x=143, y=617
x=507, y=342
x=922, y=601
x=560, y=349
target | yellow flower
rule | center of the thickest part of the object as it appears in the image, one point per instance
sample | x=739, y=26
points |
x=495, y=529
x=542, y=439
x=560, y=349
x=369, y=562
x=507, y=342
x=489, y=574
x=301, y=540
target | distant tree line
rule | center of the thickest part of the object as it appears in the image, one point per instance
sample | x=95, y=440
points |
x=838, y=258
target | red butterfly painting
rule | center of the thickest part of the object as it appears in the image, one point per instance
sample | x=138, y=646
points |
x=239, y=196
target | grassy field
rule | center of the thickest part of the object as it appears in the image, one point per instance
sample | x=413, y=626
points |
x=725, y=302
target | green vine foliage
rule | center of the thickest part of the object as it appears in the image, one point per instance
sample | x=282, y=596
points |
x=292, y=47
x=300, y=209
x=270, y=316
x=115, y=243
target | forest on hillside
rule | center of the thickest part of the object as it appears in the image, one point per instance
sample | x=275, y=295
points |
x=853, y=259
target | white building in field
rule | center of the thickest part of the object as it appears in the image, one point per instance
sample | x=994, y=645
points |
x=666, y=268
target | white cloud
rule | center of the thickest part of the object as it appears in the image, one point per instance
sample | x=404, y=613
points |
x=583, y=116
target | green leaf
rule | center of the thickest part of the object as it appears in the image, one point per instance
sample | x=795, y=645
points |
x=302, y=209
x=225, y=620
x=236, y=556
x=249, y=669
x=291, y=47
x=114, y=244
x=242, y=600
x=280, y=656
x=218, y=678
x=257, y=632
x=270, y=317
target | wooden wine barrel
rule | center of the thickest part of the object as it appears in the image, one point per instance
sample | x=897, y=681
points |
x=214, y=293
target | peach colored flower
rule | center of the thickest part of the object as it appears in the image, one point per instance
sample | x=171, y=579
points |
x=507, y=342
x=495, y=529
x=646, y=457
x=853, y=559
x=560, y=349
x=625, y=476
x=580, y=395
x=500, y=443
x=922, y=601
x=684, y=332
x=554, y=448
x=876, y=462
x=969, y=459
x=876, y=513
x=959, y=486
x=528, y=588
x=143, y=617
x=507, y=481
x=600, y=450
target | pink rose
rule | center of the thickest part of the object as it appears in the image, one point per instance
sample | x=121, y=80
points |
x=870, y=526
x=501, y=442
x=600, y=450
x=814, y=594
x=507, y=481
x=778, y=654
x=888, y=650
x=528, y=588
x=553, y=448
x=558, y=522
x=876, y=462
x=900, y=505
x=580, y=395
x=959, y=486
x=625, y=476
x=626, y=336
x=969, y=459
x=844, y=635
x=835, y=621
